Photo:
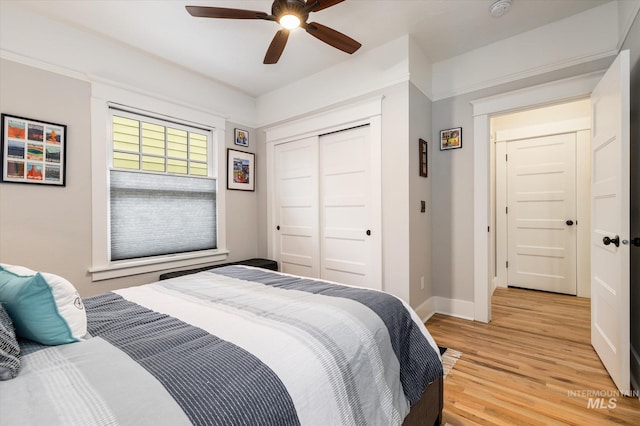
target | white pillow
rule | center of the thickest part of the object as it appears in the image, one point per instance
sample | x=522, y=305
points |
x=44, y=307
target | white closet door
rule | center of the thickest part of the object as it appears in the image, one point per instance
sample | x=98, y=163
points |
x=348, y=233
x=296, y=241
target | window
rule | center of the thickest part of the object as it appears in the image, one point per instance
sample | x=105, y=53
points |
x=162, y=198
x=150, y=145
x=155, y=203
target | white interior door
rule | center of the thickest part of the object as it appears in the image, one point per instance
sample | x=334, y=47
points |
x=296, y=238
x=541, y=219
x=348, y=234
x=610, y=335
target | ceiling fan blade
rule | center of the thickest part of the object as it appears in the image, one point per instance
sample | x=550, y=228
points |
x=223, y=12
x=316, y=5
x=276, y=47
x=332, y=37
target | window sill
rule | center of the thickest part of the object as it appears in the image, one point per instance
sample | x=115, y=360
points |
x=127, y=268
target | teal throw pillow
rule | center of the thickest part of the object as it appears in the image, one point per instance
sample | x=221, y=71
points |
x=44, y=307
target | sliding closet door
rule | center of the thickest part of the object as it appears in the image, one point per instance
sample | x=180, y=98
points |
x=296, y=205
x=348, y=233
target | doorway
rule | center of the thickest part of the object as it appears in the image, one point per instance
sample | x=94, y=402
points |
x=610, y=182
x=540, y=198
x=579, y=87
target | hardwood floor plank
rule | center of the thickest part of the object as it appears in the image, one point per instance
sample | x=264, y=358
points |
x=532, y=365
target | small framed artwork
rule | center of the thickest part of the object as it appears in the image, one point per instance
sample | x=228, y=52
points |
x=241, y=170
x=424, y=167
x=241, y=137
x=451, y=138
x=33, y=151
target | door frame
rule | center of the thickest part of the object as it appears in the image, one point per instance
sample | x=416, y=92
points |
x=537, y=96
x=581, y=127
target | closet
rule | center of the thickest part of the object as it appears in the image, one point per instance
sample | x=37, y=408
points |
x=326, y=207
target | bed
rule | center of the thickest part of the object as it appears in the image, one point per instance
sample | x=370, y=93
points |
x=235, y=345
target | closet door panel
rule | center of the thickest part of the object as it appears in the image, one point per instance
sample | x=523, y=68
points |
x=296, y=200
x=345, y=204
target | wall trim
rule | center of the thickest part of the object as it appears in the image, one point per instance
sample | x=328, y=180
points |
x=543, y=94
x=324, y=122
x=46, y=66
x=531, y=72
x=445, y=306
x=134, y=97
x=426, y=309
x=454, y=307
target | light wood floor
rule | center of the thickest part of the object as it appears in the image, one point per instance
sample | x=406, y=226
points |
x=532, y=365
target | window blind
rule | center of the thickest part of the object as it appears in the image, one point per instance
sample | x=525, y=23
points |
x=160, y=214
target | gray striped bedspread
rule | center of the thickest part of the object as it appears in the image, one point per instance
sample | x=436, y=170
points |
x=231, y=346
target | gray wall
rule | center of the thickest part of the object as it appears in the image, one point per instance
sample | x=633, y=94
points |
x=419, y=189
x=49, y=228
x=42, y=227
x=633, y=44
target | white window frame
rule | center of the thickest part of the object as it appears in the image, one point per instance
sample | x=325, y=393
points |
x=103, y=96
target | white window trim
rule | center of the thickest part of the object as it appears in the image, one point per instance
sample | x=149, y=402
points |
x=102, y=96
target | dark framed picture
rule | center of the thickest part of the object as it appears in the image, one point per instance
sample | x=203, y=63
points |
x=241, y=137
x=451, y=138
x=241, y=170
x=33, y=151
x=424, y=159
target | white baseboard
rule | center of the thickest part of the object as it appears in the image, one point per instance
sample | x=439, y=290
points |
x=635, y=371
x=455, y=308
x=426, y=309
x=442, y=305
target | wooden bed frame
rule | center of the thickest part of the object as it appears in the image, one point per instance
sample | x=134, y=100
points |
x=428, y=411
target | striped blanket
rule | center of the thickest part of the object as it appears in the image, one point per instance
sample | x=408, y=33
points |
x=232, y=346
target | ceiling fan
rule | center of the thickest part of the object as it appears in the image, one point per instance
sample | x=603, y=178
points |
x=290, y=14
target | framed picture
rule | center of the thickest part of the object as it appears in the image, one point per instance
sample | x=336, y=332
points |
x=424, y=167
x=241, y=170
x=241, y=137
x=451, y=138
x=33, y=151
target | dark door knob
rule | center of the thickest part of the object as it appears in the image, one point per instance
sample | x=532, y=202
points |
x=368, y=231
x=569, y=222
x=606, y=241
x=278, y=227
x=636, y=241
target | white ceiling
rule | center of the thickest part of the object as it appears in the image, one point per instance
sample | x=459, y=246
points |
x=231, y=51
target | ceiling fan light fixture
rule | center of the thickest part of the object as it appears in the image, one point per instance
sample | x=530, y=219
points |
x=290, y=14
x=289, y=21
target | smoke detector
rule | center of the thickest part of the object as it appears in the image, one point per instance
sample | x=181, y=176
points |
x=499, y=8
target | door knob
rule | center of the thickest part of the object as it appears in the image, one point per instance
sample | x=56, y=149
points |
x=278, y=227
x=368, y=231
x=569, y=222
x=636, y=241
x=606, y=241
